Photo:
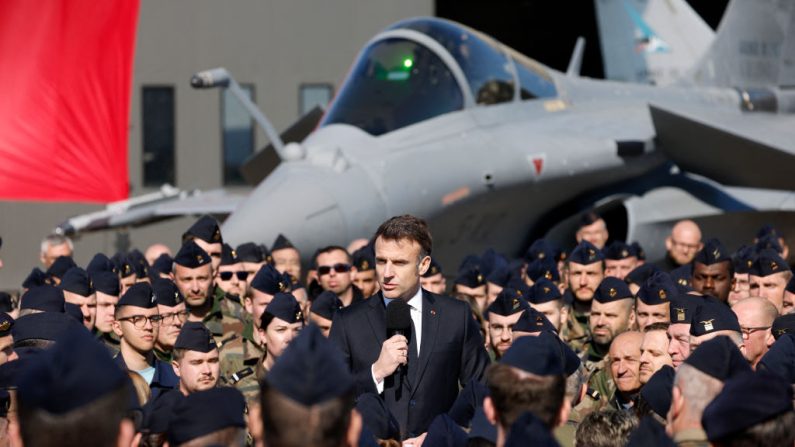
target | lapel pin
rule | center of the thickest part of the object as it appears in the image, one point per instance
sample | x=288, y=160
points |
x=433, y=311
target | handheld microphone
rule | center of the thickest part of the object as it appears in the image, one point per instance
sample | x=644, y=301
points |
x=398, y=321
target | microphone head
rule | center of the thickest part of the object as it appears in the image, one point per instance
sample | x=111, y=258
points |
x=398, y=315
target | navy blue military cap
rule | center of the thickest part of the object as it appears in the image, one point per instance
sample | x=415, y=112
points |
x=745, y=401
x=377, y=417
x=543, y=291
x=138, y=262
x=586, y=253
x=658, y=390
x=6, y=304
x=649, y=433
x=682, y=276
x=206, y=229
x=364, y=258
x=250, y=252
x=205, y=412
x=768, y=262
x=640, y=274
x=743, y=259
x=163, y=264
x=192, y=256
x=76, y=280
x=444, y=432
x=482, y=428
x=281, y=243
x=712, y=315
x=539, y=355
x=126, y=267
x=490, y=260
x=529, y=430
x=6, y=323
x=194, y=336
x=533, y=321
x=77, y=371
x=658, y=289
x=618, y=250
x=158, y=411
x=766, y=230
x=780, y=358
x=612, y=289
x=311, y=370
x=508, y=302
x=269, y=280
x=36, y=278
x=713, y=252
x=45, y=298
x=229, y=255
x=470, y=261
x=434, y=269
x=42, y=326
x=61, y=265
x=545, y=268
x=100, y=263
x=500, y=276
x=166, y=292
x=682, y=306
x=470, y=277
x=768, y=242
x=640, y=253
x=326, y=305
x=138, y=295
x=719, y=358
x=542, y=249
x=285, y=307
x=784, y=324
x=106, y=282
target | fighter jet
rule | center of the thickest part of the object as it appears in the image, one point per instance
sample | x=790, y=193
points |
x=495, y=149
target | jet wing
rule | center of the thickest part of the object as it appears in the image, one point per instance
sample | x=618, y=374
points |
x=751, y=149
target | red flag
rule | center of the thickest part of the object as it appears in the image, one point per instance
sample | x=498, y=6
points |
x=65, y=73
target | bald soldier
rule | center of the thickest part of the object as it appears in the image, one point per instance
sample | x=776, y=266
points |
x=624, y=360
x=756, y=316
x=682, y=245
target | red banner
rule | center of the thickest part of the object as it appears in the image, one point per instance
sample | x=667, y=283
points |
x=65, y=73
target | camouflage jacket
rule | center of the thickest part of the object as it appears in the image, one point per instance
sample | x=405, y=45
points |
x=240, y=358
x=575, y=333
x=222, y=327
x=600, y=393
x=164, y=356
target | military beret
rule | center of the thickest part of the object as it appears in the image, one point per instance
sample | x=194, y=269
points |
x=194, y=336
x=527, y=429
x=192, y=256
x=768, y=262
x=157, y=412
x=784, y=324
x=780, y=358
x=611, y=289
x=6, y=323
x=364, y=258
x=77, y=371
x=61, y=265
x=745, y=401
x=482, y=428
x=743, y=259
x=713, y=252
x=6, y=304
x=138, y=262
x=311, y=370
x=377, y=417
x=682, y=306
x=166, y=292
x=471, y=277
x=326, y=305
x=138, y=295
x=42, y=326
x=74, y=311
x=229, y=255
x=269, y=280
x=500, y=276
x=543, y=268
x=123, y=265
x=542, y=249
x=36, y=278
x=100, y=263
x=539, y=355
x=508, y=302
x=543, y=291
x=285, y=307
x=106, y=282
x=638, y=250
x=45, y=298
x=281, y=243
x=649, y=433
x=163, y=264
x=768, y=242
x=657, y=391
x=434, y=269
x=586, y=253
x=533, y=321
x=206, y=229
x=658, y=289
x=713, y=315
x=76, y=280
x=719, y=358
x=618, y=250
x=443, y=431
x=640, y=274
x=682, y=276
x=205, y=412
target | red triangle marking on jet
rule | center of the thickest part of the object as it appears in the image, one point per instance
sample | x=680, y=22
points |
x=539, y=165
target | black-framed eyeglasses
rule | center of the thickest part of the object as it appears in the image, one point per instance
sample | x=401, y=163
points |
x=180, y=316
x=226, y=276
x=139, y=321
x=747, y=331
x=339, y=268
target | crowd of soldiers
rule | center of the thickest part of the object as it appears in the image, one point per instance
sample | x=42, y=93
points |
x=232, y=346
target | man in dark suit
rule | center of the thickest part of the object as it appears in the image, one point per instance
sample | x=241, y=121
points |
x=446, y=351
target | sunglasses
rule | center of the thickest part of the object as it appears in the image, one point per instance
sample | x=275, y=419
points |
x=226, y=276
x=339, y=268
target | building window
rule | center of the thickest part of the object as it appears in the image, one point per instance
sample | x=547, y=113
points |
x=158, y=135
x=238, y=134
x=311, y=95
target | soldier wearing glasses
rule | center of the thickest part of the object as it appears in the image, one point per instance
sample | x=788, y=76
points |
x=232, y=281
x=173, y=314
x=335, y=273
x=137, y=325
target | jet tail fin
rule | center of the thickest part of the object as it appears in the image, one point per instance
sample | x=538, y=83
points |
x=575, y=63
x=650, y=41
x=754, y=47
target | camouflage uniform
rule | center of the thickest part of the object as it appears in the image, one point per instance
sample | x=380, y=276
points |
x=574, y=332
x=222, y=327
x=600, y=393
x=240, y=359
x=164, y=356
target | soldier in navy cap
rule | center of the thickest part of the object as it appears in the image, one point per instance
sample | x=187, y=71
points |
x=323, y=309
x=286, y=258
x=545, y=268
x=59, y=268
x=34, y=279
x=309, y=377
x=41, y=330
x=769, y=276
x=784, y=324
x=652, y=303
x=78, y=289
x=592, y=229
x=252, y=256
x=712, y=318
x=546, y=298
x=208, y=418
x=433, y=279
x=713, y=270
x=137, y=324
x=586, y=271
x=107, y=289
x=768, y=230
x=364, y=277
x=681, y=308
x=470, y=286
x=531, y=323
x=44, y=298
x=173, y=313
x=639, y=275
x=496, y=281
x=7, y=353
x=612, y=312
x=126, y=267
x=206, y=233
x=620, y=259
x=162, y=267
x=279, y=325
x=502, y=315
x=742, y=261
x=780, y=358
x=196, y=359
x=232, y=284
